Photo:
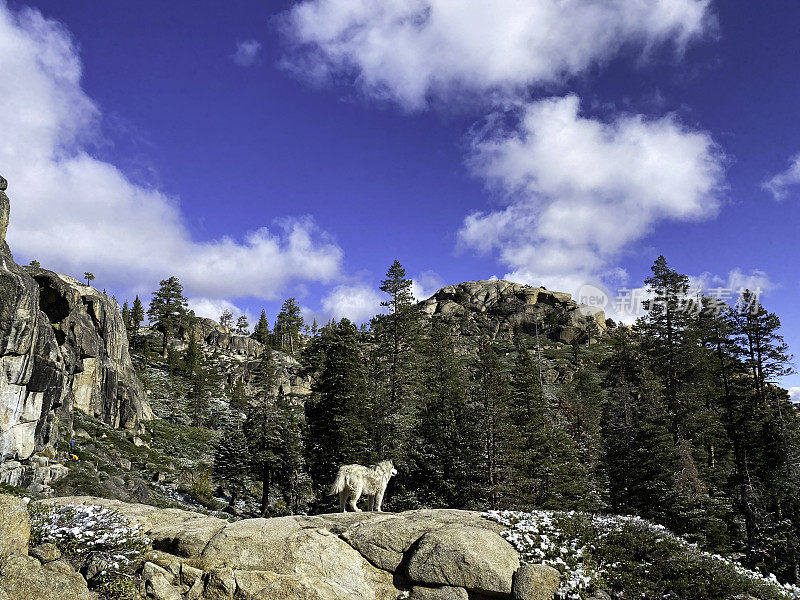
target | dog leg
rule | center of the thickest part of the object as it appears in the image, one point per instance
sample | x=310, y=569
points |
x=356, y=494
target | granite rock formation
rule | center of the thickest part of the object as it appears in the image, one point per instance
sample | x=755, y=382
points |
x=62, y=346
x=420, y=554
x=499, y=308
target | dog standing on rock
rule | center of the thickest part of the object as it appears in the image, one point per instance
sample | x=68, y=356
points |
x=354, y=481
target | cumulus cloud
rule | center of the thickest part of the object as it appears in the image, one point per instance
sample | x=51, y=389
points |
x=578, y=190
x=73, y=212
x=779, y=184
x=246, y=53
x=358, y=302
x=410, y=50
x=735, y=282
x=212, y=308
x=794, y=394
x=426, y=284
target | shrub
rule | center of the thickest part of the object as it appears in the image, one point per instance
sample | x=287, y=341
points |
x=92, y=535
x=630, y=556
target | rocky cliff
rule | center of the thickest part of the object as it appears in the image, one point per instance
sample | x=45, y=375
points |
x=63, y=346
x=499, y=308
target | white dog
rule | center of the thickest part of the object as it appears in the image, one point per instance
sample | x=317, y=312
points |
x=354, y=481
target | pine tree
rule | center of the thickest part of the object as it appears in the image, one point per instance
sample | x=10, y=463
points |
x=261, y=330
x=126, y=317
x=168, y=309
x=193, y=357
x=639, y=456
x=89, y=277
x=198, y=400
x=238, y=395
x=491, y=394
x=446, y=454
x=136, y=318
x=396, y=392
x=231, y=461
x=242, y=326
x=288, y=325
x=226, y=319
x=264, y=429
x=546, y=471
x=338, y=412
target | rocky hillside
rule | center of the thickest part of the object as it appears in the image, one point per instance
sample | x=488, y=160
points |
x=63, y=346
x=498, y=309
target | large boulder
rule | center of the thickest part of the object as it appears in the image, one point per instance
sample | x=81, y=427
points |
x=15, y=526
x=536, y=582
x=301, y=546
x=257, y=585
x=25, y=578
x=384, y=539
x=470, y=557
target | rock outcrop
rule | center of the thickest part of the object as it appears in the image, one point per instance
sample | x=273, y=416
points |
x=237, y=357
x=421, y=555
x=498, y=308
x=62, y=346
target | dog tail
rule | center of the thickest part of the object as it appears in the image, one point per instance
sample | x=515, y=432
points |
x=338, y=485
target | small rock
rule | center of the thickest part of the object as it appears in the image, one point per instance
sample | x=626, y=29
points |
x=221, y=585
x=46, y=553
x=124, y=463
x=39, y=461
x=82, y=434
x=139, y=442
x=152, y=570
x=603, y=595
x=196, y=591
x=535, y=582
x=189, y=575
x=440, y=593
x=160, y=589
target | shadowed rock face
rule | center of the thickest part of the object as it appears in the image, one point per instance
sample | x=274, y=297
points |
x=62, y=345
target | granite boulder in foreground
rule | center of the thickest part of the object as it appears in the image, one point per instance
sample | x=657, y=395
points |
x=421, y=555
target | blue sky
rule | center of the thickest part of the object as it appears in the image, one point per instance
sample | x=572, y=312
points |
x=553, y=146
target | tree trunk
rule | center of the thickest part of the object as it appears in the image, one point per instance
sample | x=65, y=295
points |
x=267, y=483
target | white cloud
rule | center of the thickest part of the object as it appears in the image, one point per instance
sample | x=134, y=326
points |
x=212, y=308
x=794, y=394
x=579, y=190
x=426, y=284
x=735, y=282
x=777, y=185
x=409, y=50
x=246, y=53
x=358, y=302
x=73, y=212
